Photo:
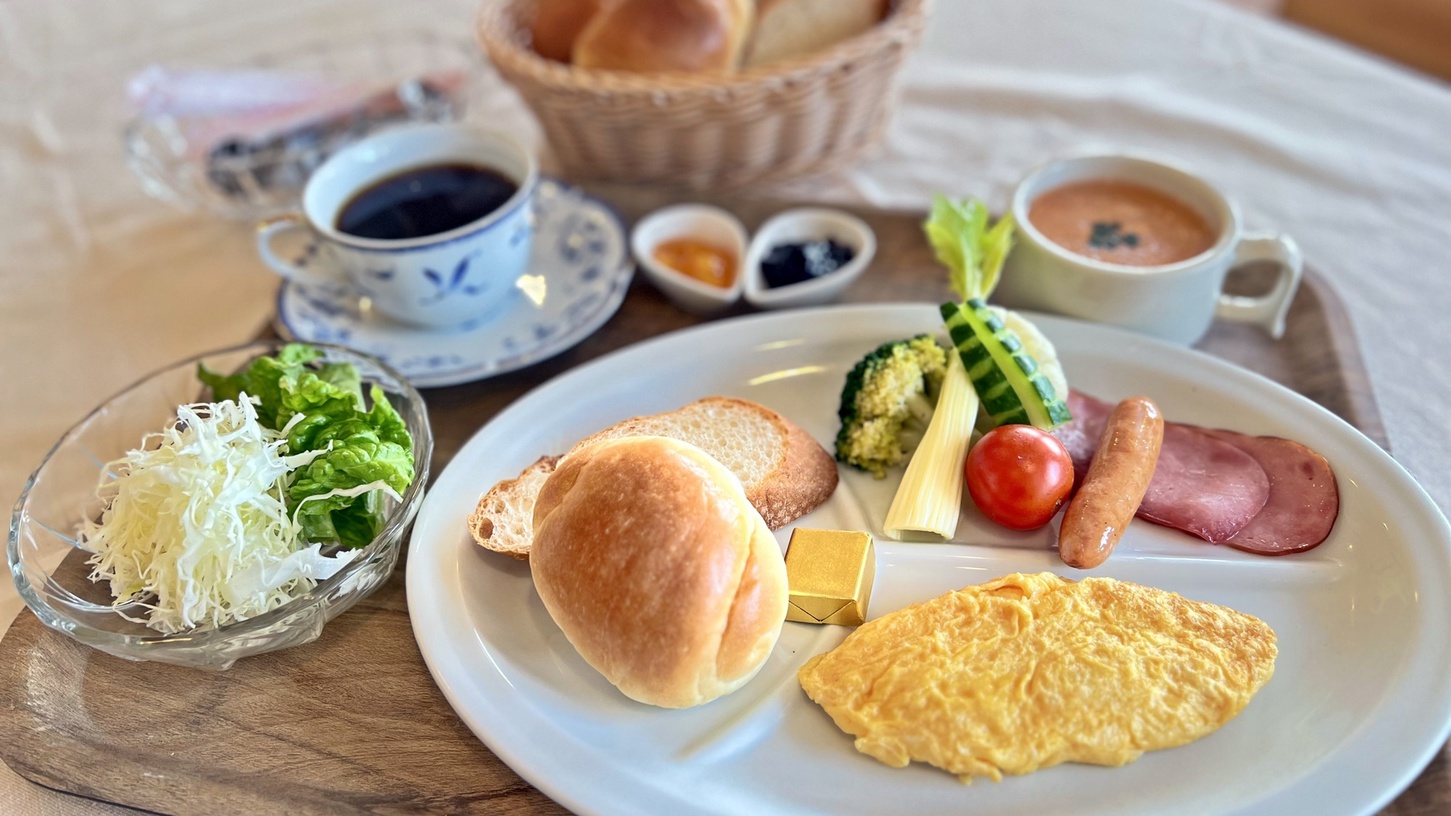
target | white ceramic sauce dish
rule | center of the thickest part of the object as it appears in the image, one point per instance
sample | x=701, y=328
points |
x=700, y=222
x=798, y=226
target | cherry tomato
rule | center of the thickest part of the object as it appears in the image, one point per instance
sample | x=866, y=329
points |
x=1019, y=476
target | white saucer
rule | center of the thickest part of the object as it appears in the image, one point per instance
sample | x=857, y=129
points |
x=576, y=280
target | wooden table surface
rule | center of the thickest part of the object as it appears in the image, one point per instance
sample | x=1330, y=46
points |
x=354, y=722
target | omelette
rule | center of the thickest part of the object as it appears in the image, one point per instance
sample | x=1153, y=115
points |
x=1028, y=671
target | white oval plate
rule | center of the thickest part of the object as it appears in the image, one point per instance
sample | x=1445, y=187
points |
x=1360, y=700
x=578, y=274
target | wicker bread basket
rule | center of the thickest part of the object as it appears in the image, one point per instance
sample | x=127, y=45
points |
x=779, y=121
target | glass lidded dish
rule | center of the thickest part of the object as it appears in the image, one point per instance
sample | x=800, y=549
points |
x=241, y=140
x=51, y=568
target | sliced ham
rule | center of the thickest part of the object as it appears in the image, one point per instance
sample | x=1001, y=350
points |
x=1304, y=500
x=1202, y=485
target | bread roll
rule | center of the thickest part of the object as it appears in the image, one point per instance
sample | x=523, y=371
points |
x=557, y=24
x=666, y=35
x=661, y=574
x=786, y=29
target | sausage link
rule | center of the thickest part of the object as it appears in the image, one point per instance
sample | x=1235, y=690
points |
x=1117, y=477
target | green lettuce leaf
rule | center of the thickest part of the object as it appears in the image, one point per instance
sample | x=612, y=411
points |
x=972, y=251
x=360, y=448
x=264, y=379
x=321, y=403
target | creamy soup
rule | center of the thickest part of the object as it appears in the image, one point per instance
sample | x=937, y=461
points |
x=1120, y=222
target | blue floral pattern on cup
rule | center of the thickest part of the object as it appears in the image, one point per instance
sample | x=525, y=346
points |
x=456, y=282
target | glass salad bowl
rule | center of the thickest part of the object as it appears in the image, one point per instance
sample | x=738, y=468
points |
x=50, y=567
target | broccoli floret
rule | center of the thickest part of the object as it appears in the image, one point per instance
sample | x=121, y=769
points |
x=887, y=402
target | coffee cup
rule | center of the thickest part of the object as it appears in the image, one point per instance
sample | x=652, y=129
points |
x=1104, y=261
x=428, y=224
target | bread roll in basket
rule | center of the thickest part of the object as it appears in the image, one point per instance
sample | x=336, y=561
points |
x=785, y=119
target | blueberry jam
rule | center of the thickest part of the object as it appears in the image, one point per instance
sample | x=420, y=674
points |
x=786, y=264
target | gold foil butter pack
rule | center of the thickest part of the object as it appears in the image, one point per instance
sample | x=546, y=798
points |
x=830, y=575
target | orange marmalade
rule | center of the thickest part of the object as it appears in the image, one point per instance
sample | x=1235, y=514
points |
x=705, y=262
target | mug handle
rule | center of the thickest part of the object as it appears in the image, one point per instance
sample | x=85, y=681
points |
x=1267, y=310
x=269, y=229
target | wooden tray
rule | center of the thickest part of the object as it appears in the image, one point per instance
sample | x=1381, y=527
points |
x=354, y=723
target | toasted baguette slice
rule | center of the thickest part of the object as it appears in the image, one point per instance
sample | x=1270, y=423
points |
x=786, y=473
x=503, y=521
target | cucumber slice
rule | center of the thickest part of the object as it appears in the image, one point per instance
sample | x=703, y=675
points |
x=1014, y=391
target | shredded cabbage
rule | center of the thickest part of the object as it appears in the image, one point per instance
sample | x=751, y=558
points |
x=196, y=529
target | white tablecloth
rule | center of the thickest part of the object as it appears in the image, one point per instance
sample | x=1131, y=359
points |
x=1348, y=154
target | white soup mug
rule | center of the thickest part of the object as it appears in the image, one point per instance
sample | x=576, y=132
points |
x=1173, y=301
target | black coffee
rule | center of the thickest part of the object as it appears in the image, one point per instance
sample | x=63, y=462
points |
x=425, y=201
